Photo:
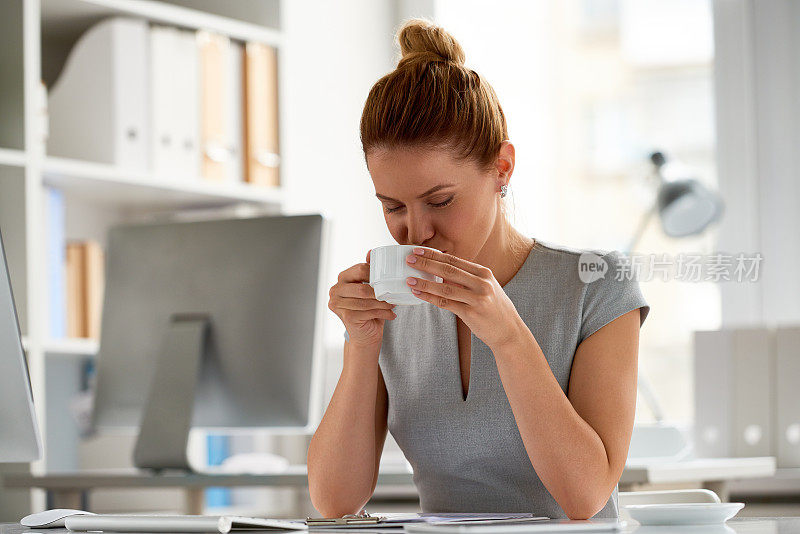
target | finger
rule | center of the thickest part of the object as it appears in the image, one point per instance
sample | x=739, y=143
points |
x=458, y=308
x=358, y=290
x=446, y=267
x=366, y=315
x=357, y=273
x=448, y=291
x=348, y=303
x=442, y=257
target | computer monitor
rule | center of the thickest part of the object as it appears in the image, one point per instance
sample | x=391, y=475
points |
x=20, y=440
x=213, y=324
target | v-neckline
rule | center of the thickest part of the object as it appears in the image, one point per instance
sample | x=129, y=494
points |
x=454, y=328
x=459, y=385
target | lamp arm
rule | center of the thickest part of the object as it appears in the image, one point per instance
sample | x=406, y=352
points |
x=641, y=228
x=649, y=397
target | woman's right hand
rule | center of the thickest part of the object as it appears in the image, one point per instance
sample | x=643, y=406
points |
x=355, y=304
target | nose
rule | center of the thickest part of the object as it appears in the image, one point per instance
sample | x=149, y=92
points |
x=419, y=228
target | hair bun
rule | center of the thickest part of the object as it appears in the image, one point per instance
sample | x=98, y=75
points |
x=423, y=41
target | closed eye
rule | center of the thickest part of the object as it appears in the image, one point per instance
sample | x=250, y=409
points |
x=439, y=205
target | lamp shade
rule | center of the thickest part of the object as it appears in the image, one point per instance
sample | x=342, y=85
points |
x=686, y=207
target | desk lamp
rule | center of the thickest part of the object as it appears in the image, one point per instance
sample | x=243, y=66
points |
x=685, y=208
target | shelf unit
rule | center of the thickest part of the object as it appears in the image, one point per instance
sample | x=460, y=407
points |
x=111, y=186
x=12, y=158
x=76, y=348
x=35, y=39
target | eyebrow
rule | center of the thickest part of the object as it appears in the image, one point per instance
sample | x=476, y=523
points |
x=428, y=192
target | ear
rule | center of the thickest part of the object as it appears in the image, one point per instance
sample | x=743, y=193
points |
x=504, y=164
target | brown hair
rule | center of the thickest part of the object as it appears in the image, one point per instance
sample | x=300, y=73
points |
x=432, y=99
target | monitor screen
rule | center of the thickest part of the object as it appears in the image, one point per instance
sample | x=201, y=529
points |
x=260, y=283
x=20, y=440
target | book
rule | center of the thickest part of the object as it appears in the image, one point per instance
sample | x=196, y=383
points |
x=94, y=259
x=85, y=283
x=76, y=290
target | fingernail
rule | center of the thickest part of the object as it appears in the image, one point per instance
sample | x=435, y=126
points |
x=411, y=281
x=411, y=259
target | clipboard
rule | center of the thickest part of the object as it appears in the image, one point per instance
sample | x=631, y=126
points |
x=365, y=520
x=346, y=520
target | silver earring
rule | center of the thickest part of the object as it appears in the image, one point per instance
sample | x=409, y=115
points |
x=503, y=190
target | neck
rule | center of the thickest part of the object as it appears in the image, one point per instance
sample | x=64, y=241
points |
x=505, y=251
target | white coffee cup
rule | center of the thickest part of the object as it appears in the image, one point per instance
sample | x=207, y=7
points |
x=388, y=271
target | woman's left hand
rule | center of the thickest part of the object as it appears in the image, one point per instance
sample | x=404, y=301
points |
x=470, y=291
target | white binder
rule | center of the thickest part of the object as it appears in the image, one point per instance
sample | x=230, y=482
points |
x=787, y=395
x=186, y=88
x=163, y=118
x=234, y=111
x=174, y=97
x=734, y=387
x=753, y=395
x=98, y=107
x=713, y=393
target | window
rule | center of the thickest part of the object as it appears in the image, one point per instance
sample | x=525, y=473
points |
x=590, y=88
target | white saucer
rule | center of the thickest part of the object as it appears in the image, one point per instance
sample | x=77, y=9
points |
x=683, y=513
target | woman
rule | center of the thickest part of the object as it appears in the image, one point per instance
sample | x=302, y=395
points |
x=512, y=388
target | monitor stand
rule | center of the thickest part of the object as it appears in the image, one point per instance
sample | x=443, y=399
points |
x=167, y=418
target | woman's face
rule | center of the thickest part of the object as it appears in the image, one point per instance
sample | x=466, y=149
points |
x=429, y=198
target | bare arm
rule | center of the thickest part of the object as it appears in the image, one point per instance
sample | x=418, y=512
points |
x=345, y=451
x=577, y=444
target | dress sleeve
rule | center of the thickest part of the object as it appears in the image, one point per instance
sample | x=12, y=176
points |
x=610, y=296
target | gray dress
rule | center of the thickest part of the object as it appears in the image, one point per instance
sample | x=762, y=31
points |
x=468, y=455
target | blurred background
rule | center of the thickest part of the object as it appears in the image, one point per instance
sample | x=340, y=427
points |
x=607, y=102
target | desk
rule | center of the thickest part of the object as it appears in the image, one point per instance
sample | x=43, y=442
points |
x=785, y=483
x=715, y=474
x=67, y=490
x=749, y=525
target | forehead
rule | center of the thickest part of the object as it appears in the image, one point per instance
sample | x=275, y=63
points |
x=411, y=171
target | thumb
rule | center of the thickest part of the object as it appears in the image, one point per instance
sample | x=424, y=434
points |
x=368, y=255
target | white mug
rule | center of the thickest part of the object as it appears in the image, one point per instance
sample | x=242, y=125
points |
x=388, y=271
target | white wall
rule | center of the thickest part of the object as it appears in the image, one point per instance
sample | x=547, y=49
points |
x=757, y=79
x=334, y=53
x=514, y=48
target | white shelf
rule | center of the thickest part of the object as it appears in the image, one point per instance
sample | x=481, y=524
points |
x=106, y=184
x=72, y=347
x=12, y=158
x=98, y=195
x=65, y=16
x=75, y=347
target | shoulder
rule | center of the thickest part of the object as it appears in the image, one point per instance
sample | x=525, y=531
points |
x=605, y=279
x=580, y=265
